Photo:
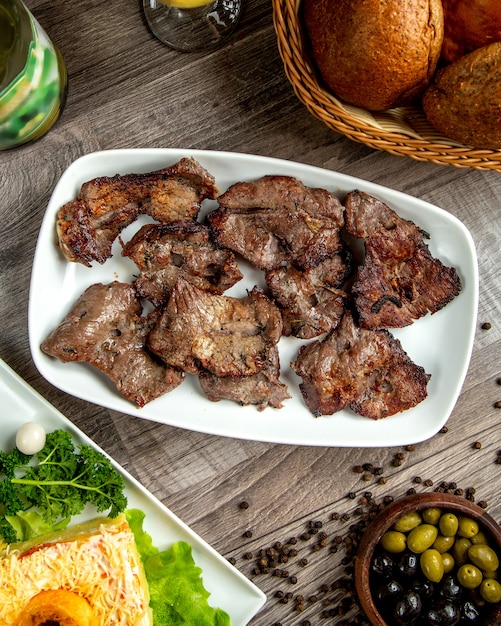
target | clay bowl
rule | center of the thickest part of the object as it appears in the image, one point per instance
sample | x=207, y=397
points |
x=389, y=515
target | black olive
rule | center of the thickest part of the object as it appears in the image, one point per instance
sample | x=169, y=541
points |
x=424, y=587
x=450, y=589
x=382, y=566
x=388, y=591
x=408, y=608
x=443, y=613
x=470, y=614
x=408, y=564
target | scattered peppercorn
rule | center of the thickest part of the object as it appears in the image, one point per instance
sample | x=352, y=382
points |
x=243, y=505
x=497, y=405
x=336, y=599
x=477, y=445
x=486, y=325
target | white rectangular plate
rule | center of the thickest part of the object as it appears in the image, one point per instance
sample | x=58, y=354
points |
x=229, y=589
x=441, y=343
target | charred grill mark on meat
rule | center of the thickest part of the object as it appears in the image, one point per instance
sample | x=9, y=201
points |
x=163, y=252
x=312, y=302
x=88, y=225
x=276, y=220
x=365, y=370
x=399, y=280
x=263, y=389
x=105, y=328
x=224, y=335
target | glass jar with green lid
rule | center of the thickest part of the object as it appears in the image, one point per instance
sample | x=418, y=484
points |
x=33, y=77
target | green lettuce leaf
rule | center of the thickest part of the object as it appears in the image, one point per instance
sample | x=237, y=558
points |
x=30, y=524
x=177, y=593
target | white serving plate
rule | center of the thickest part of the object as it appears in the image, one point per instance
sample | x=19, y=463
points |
x=441, y=343
x=229, y=589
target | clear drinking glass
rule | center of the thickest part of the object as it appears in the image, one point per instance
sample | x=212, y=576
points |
x=191, y=25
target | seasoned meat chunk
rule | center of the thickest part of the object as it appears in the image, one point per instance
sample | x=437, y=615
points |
x=227, y=336
x=263, y=389
x=164, y=251
x=399, y=280
x=365, y=370
x=88, y=225
x=276, y=220
x=311, y=301
x=105, y=328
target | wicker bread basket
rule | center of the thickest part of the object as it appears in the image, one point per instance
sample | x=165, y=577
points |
x=402, y=131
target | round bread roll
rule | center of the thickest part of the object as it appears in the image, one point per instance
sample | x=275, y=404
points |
x=57, y=606
x=464, y=101
x=468, y=25
x=375, y=54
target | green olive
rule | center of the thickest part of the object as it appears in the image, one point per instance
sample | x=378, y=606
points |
x=480, y=537
x=432, y=565
x=448, y=561
x=407, y=522
x=490, y=590
x=448, y=524
x=421, y=538
x=469, y=576
x=467, y=527
x=431, y=515
x=483, y=556
x=393, y=541
x=460, y=550
x=443, y=544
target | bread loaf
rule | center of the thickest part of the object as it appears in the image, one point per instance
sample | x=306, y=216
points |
x=468, y=25
x=464, y=101
x=375, y=54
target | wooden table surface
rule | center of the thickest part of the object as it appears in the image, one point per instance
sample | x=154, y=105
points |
x=127, y=90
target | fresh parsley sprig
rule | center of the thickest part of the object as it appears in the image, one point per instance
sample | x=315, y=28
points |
x=57, y=483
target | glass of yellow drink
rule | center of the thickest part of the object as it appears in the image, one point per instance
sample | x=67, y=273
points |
x=191, y=25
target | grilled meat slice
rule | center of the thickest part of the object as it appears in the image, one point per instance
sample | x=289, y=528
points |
x=164, y=251
x=227, y=336
x=263, y=389
x=88, y=225
x=312, y=301
x=399, y=280
x=105, y=328
x=366, y=370
x=276, y=220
